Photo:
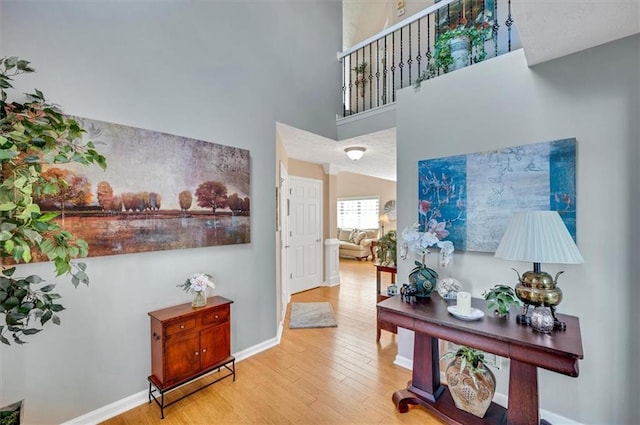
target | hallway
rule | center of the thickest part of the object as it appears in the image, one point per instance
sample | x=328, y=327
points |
x=315, y=376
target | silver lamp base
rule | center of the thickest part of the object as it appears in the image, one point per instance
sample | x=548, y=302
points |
x=542, y=319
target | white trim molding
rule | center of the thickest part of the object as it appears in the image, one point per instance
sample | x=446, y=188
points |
x=332, y=263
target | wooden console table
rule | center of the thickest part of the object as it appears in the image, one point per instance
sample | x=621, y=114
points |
x=380, y=296
x=527, y=349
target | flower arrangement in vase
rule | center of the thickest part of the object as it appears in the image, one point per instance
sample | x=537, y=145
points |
x=197, y=284
x=424, y=278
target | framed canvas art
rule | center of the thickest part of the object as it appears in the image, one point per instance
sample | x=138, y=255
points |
x=470, y=198
x=159, y=192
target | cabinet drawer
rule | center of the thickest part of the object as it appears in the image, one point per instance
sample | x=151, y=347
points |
x=183, y=325
x=216, y=316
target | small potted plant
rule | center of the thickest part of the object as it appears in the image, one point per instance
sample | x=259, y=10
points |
x=500, y=298
x=458, y=46
x=360, y=70
x=466, y=368
x=387, y=248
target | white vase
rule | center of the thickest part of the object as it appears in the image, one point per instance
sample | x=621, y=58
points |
x=460, y=51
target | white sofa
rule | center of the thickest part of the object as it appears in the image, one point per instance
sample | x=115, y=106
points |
x=356, y=242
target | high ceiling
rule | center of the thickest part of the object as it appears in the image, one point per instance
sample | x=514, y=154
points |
x=548, y=29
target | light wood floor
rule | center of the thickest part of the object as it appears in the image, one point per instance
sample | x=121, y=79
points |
x=315, y=376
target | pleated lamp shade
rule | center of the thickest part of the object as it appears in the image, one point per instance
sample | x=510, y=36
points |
x=538, y=237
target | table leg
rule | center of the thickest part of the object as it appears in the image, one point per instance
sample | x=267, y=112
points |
x=523, y=394
x=426, y=367
x=425, y=383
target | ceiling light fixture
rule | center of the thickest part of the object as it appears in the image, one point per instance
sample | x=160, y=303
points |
x=355, y=152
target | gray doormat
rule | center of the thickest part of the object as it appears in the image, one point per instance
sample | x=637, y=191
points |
x=312, y=315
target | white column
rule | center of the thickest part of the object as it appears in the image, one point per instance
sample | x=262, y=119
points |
x=332, y=265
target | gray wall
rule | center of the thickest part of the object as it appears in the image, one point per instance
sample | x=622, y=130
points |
x=220, y=71
x=593, y=96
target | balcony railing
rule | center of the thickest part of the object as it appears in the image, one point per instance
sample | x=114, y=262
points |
x=423, y=47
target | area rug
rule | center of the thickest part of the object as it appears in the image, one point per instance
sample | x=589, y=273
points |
x=312, y=315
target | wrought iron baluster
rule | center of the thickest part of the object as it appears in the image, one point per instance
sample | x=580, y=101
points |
x=344, y=88
x=393, y=67
x=401, y=64
x=357, y=85
x=385, y=77
x=419, y=56
x=496, y=26
x=508, y=23
x=362, y=83
x=370, y=77
x=429, y=54
x=378, y=72
x=410, y=60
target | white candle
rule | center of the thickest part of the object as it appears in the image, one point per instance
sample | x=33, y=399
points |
x=463, y=303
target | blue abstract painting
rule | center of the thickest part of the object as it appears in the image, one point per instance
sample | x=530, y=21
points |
x=469, y=199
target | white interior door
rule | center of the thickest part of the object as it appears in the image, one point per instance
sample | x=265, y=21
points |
x=305, y=234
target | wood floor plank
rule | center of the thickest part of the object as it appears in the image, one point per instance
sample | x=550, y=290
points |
x=314, y=376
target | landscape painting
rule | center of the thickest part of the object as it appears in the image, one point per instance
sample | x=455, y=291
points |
x=159, y=192
x=469, y=199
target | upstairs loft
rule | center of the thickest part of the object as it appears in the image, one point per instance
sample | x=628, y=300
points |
x=411, y=50
x=442, y=38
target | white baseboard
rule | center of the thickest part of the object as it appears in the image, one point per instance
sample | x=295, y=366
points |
x=252, y=351
x=135, y=400
x=403, y=362
x=111, y=410
x=499, y=398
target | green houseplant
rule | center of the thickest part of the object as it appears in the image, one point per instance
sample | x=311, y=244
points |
x=34, y=134
x=458, y=45
x=500, y=298
x=387, y=248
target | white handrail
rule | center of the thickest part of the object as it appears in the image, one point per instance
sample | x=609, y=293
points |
x=395, y=27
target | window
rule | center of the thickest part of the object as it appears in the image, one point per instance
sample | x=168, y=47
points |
x=358, y=213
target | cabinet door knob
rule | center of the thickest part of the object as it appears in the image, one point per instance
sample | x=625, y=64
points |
x=196, y=353
x=181, y=326
x=204, y=350
x=217, y=317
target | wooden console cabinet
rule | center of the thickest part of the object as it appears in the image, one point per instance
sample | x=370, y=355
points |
x=188, y=343
x=526, y=349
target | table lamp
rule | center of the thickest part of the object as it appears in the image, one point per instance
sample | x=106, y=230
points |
x=538, y=237
x=384, y=219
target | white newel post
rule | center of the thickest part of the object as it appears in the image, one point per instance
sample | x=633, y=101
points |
x=332, y=265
